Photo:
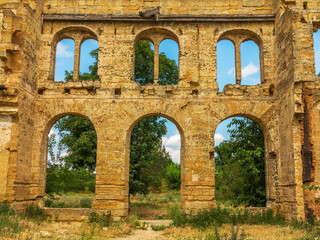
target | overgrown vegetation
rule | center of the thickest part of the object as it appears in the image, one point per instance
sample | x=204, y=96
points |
x=240, y=165
x=13, y=224
x=217, y=216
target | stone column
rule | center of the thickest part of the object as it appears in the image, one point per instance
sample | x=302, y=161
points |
x=156, y=62
x=238, y=62
x=76, y=60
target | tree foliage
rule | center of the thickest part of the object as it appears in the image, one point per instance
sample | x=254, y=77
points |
x=148, y=158
x=240, y=165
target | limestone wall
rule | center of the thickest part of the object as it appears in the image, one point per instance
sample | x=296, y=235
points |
x=285, y=104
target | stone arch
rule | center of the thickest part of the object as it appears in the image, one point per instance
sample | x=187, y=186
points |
x=44, y=143
x=128, y=142
x=151, y=34
x=269, y=155
x=78, y=34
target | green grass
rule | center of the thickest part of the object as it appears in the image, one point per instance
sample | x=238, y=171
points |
x=70, y=200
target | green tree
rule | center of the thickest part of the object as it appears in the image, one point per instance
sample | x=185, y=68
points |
x=240, y=165
x=148, y=159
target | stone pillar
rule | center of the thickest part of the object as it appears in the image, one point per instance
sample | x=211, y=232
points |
x=198, y=165
x=111, y=177
x=76, y=60
x=156, y=62
x=238, y=62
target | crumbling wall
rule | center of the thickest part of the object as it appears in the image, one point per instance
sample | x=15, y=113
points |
x=284, y=104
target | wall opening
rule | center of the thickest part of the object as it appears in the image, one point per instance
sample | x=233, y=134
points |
x=64, y=61
x=226, y=65
x=155, y=172
x=240, y=163
x=144, y=62
x=316, y=39
x=168, y=62
x=250, y=63
x=89, y=60
x=71, y=163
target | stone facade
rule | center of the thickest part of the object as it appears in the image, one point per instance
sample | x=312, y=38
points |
x=286, y=104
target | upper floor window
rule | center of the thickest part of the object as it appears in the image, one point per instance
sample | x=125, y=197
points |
x=75, y=55
x=226, y=65
x=250, y=63
x=156, y=58
x=144, y=62
x=168, y=62
x=64, y=59
x=239, y=56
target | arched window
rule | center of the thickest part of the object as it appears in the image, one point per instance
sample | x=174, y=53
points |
x=89, y=60
x=64, y=61
x=250, y=63
x=156, y=57
x=226, y=66
x=144, y=62
x=316, y=39
x=168, y=62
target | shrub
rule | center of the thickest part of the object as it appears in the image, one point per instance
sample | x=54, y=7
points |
x=104, y=220
x=173, y=176
x=35, y=213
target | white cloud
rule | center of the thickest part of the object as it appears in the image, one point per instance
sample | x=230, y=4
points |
x=218, y=138
x=172, y=145
x=63, y=50
x=231, y=71
x=53, y=132
x=249, y=70
x=174, y=153
x=173, y=141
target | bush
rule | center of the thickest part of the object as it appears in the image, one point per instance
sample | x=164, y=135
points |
x=65, y=180
x=104, y=220
x=173, y=176
x=35, y=213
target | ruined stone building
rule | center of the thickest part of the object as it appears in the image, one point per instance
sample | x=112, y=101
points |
x=286, y=104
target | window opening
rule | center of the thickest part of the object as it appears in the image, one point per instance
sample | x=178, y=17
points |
x=250, y=63
x=64, y=59
x=89, y=60
x=226, y=65
x=168, y=62
x=144, y=62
